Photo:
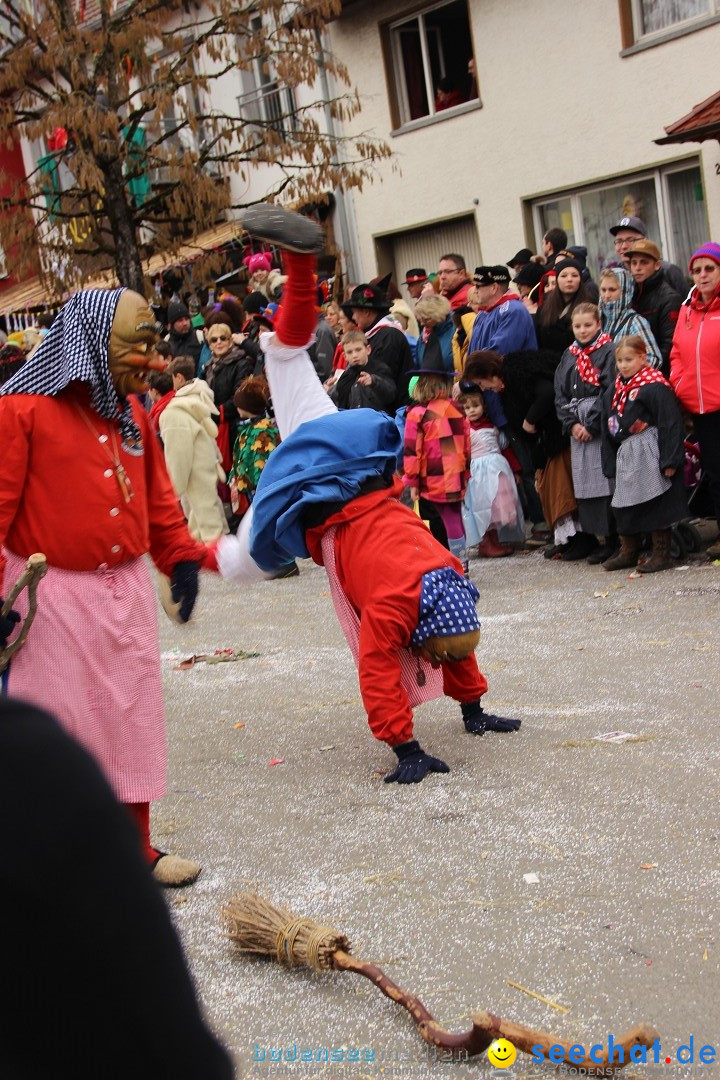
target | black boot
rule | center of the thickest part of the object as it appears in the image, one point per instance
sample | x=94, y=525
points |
x=605, y=551
x=581, y=545
x=284, y=228
x=477, y=721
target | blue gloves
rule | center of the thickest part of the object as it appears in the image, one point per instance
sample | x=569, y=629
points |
x=413, y=764
x=7, y=622
x=478, y=722
x=184, y=588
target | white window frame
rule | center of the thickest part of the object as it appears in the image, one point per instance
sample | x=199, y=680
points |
x=399, y=67
x=257, y=104
x=656, y=175
x=659, y=176
x=639, y=35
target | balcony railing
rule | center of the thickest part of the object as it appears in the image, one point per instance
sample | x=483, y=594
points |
x=271, y=106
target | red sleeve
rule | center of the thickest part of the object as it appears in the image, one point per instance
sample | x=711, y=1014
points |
x=16, y=428
x=339, y=361
x=170, y=541
x=509, y=455
x=413, y=447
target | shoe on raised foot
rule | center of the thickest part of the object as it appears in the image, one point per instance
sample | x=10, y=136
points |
x=173, y=872
x=285, y=228
x=713, y=552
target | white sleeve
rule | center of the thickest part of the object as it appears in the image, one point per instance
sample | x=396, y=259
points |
x=233, y=555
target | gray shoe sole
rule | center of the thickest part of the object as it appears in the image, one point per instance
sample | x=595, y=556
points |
x=284, y=228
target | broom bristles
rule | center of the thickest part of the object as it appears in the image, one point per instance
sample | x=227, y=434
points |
x=264, y=929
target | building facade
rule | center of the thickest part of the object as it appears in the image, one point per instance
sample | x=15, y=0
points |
x=508, y=119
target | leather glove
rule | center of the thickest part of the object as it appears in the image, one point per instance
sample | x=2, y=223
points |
x=413, y=764
x=184, y=588
x=7, y=622
x=477, y=721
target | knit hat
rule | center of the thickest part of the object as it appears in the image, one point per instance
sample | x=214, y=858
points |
x=177, y=311
x=529, y=274
x=492, y=275
x=254, y=302
x=252, y=395
x=564, y=264
x=447, y=606
x=644, y=247
x=262, y=260
x=633, y=223
x=709, y=250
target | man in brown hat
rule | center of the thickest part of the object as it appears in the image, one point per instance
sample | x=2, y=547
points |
x=654, y=297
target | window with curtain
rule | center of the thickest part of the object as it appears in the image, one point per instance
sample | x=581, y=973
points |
x=670, y=201
x=655, y=16
x=430, y=56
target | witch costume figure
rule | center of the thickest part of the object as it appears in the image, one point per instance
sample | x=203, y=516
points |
x=329, y=491
x=83, y=480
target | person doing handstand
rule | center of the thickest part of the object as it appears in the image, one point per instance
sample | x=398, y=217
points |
x=329, y=491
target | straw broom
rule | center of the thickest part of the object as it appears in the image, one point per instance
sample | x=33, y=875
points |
x=263, y=929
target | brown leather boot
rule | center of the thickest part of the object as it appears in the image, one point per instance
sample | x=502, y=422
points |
x=660, y=558
x=627, y=556
x=491, y=548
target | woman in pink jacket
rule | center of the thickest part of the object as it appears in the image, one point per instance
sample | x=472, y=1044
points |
x=695, y=364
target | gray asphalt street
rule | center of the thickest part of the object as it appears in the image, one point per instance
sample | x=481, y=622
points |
x=429, y=880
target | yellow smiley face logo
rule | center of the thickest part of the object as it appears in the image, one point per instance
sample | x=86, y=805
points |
x=501, y=1053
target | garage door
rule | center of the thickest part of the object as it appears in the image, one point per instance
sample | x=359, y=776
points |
x=423, y=247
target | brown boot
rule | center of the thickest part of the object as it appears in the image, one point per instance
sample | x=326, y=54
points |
x=660, y=558
x=491, y=548
x=627, y=556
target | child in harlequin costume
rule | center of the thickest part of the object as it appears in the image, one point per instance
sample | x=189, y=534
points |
x=83, y=479
x=644, y=452
x=329, y=491
x=437, y=453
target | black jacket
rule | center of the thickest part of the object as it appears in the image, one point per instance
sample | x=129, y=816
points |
x=185, y=344
x=390, y=347
x=380, y=395
x=94, y=983
x=659, y=303
x=225, y=380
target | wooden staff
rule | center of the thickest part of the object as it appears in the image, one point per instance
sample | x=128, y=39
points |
x=35, y=570
x=261, y=928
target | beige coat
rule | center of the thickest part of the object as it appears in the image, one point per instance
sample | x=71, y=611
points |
x=188, y=431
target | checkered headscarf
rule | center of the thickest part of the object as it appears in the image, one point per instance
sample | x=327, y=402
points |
x=447, y=606
x=75, y=349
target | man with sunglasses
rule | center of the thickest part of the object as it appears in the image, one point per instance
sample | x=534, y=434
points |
x=329, y=491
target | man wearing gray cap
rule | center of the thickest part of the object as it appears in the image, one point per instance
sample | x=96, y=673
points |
x=630, y=229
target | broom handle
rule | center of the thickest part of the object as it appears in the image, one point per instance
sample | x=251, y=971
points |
x=486, y=1027
x=35, y=569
